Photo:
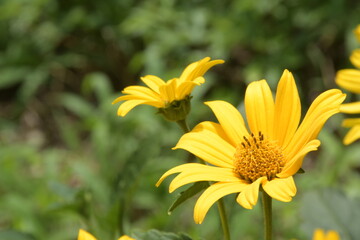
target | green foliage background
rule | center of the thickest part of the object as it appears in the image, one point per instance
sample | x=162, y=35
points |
x=68, y=162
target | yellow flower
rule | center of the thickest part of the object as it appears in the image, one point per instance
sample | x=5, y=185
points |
x=319, y=234
x=268, y=155
x=161, y=94
x=349, y=79
x=357, y=32
x=84, y=235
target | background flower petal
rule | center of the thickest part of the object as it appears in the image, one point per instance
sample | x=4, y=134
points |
x=349, y=79
x=127, y=106
x=352, y=135
x=355, y=58
x=352, y=108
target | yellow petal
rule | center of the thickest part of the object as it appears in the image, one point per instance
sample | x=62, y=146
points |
x=355, y=58
x=208, y=146
x=230, y=120
x=142, y=92
x=352, y=135
x=125, y=237
x=350, y=122
x=294, y=164
x=332, y=235
x=351, y=108
x=349, y=79
x=319, y=235
x=282, y=189
x=212, y=194
x=212, y=127
x=153, y=82
x=199, y=80
x=287, y=109
x=249, y=195
x=184, y=89
x=125, y=107
x=323, y=107
x=176, y=169
x=84, y=235
x=201, y=172
x=168, y=91
x=198, y=69
x=259, y=106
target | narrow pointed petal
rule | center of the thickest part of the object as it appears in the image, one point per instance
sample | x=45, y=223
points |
x=153, y=82
x=249, y=195
x=84, y=235
x=323, y=107
x=168, y=91
x=208, y=146
x=125, y=107
x=212, y=127
x=199, y=173
x=184, y=89
x=198, y=69
x=230, y=120
x=352, y=135
x=351, y=108
x=212, y=194
x=349, y=79
x=350, y=122
x=259, y=106
x=177, y=169
x=294, y=164
x=287, y=109
x=355, y=58
x=282, y=189
x=142, y=92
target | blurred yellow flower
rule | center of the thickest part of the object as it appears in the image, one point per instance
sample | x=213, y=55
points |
x=161, y=94
x=268, y=155
x=319, y=234
x=349, y=79
x=357, y=32
x=84, y=235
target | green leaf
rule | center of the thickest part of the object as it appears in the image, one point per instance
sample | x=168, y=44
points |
x=331, y=209
x=154, y=234
x=188, y=193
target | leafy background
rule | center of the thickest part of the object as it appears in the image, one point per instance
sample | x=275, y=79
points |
x=68, y=162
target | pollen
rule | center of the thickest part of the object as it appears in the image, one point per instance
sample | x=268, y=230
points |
x=257, y=157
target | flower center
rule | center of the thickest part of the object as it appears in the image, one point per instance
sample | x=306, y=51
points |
x=257, y=157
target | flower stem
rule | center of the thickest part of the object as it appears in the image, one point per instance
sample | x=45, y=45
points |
x=223, y=218
x=266, y=199
x=220, y=203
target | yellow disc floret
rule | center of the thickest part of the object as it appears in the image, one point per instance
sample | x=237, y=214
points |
x=257, y=157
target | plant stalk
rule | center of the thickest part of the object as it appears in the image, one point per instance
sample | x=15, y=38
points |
x=267, y=207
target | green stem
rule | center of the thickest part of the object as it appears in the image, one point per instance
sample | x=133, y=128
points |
x=223, y=218
x=220, y=203
x=266, y=199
